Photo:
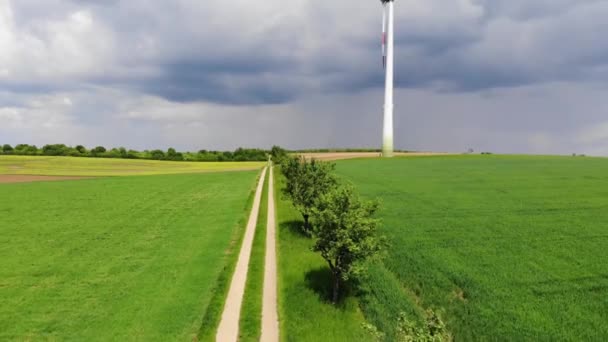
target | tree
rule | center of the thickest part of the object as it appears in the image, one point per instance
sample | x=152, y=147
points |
x=278, y=154
x=25, y=149
x=7, y=149
x=174, y=155
x=132, y=154
x=346, y=233
x=307, y=180
x=55, y=150
x=157, y=154
x=98, y=150
x=227, y=156
x=81, y=149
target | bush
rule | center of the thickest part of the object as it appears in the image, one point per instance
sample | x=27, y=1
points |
x=434, y=329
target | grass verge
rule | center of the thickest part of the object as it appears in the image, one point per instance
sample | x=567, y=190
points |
x=305, y=311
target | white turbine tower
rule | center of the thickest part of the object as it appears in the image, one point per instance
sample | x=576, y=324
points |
x=387, y=61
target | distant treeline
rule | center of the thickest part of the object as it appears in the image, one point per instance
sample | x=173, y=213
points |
x=240, y=154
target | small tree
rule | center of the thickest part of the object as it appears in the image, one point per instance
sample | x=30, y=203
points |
x=7, y=149
x=98, y=150
x=25, y=149
x=346, y=233
x=306, y=182
x=172, y=154
x=81, y=149
x=55, y=150
x=278, y=154
x=157, y=154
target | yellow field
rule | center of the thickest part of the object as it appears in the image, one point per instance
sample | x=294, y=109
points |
x=76, y=166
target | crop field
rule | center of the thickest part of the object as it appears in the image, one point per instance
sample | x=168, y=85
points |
x=76, y=166
x=119, y=258
x=504, y=247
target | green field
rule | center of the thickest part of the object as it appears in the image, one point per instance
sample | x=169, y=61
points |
x=74, y=166
x=122, y=258
x=507, y=247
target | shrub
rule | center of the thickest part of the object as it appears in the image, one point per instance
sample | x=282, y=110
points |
x=434, y=329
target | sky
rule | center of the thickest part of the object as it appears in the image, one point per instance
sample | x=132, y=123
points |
x=502, y=76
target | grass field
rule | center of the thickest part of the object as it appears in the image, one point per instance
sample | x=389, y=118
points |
x=305, y=313
x=124, y=258
x=509, y=247
x=74, y=166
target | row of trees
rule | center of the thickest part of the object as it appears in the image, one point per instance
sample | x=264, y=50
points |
x=240, y=154
x=341, y=223
x=345, y=233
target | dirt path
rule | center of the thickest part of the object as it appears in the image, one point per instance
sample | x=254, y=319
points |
x=228, y=329
x=270, y=320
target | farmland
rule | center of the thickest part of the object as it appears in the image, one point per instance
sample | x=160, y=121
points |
x=504, y=247
x=72, y=166
x=118, y=258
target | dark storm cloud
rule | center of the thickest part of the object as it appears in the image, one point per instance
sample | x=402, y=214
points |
x=206, y=58
x=233, y=79
x=189, y=70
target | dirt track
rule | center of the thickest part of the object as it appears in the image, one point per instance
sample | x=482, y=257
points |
x=28, y=178
x=351, y=155
x=228, y=330
x=270, y=318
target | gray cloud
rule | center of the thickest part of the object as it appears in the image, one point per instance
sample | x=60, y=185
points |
x=191, y=73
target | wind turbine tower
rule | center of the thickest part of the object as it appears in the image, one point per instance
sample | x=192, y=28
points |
x=387, y=61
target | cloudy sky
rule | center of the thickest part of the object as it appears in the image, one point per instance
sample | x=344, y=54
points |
x=505, y=76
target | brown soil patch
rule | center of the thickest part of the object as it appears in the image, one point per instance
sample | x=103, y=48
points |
x=30, y=178
x=351, y=155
